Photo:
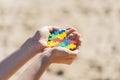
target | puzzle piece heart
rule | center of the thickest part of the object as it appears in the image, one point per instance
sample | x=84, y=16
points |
x=59, y=38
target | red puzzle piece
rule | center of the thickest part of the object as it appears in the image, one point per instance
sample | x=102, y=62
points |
x=73, y=42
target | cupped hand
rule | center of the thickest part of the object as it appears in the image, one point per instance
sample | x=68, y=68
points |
x=41, y=37
x=63, y=55
x=38, y=42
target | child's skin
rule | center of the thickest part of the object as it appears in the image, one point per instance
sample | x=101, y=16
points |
x=34, y=46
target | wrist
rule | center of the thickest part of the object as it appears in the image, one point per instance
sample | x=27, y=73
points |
x=43, y=65
x=33, y=46
x=38, y=47
x=47, y=55
x=45, y=59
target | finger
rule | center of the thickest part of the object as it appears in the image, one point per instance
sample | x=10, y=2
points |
x=75, y=35
x=72, y=56
x=64, y=61
x=37, y=36
x=53, y=29
x=79, y=41
x=68, y=28
x=69, y=61
x=70, y=31
x=70, y=36
x=76, y=52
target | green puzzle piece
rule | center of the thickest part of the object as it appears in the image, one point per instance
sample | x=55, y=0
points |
x=61, y=44
x=52, y=36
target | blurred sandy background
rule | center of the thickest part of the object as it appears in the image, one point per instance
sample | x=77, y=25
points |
x=98, y=21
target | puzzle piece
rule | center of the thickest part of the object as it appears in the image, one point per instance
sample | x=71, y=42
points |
x=61, y=44
x=71, y=46
x=73, y=42
x=56, y=32
x=52, y=36
x=57, y=40
x=52, y=43
x=66, y=42
x=62, y=35
x=61, y=31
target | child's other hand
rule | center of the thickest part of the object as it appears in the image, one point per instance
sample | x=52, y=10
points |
x=63, y=55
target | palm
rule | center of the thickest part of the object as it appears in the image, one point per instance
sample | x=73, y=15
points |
x=63, y=55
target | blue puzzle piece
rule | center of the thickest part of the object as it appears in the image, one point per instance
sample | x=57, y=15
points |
x=56, y=32
x=61, y=31
x=66, y=42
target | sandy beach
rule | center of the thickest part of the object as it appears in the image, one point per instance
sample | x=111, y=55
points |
x=98, y=22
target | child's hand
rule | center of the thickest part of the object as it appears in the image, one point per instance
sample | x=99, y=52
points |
x=63, y=55
x=38, y=42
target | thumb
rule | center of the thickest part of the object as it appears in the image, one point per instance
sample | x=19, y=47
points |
x=37, y=36
x=44, y=32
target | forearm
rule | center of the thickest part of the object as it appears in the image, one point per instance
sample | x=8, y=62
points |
x=36, y=69
x=12, y=63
